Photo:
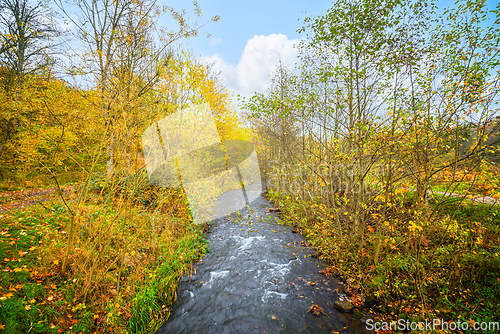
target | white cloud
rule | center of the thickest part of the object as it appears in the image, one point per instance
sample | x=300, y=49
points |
x=67, y=25
x=257, y=64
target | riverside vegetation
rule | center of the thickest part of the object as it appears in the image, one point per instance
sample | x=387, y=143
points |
x=104, y=252
x=381, y=146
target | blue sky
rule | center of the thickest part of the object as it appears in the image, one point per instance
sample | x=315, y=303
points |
x=241, y=21
x=252, y=36
x=248, y=40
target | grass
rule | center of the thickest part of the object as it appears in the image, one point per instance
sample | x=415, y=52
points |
x=123, y=266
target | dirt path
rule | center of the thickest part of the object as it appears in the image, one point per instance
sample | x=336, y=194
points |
x=14, y=200
x=475, y=198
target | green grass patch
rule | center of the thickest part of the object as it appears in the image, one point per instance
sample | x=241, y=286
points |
x=127, y=255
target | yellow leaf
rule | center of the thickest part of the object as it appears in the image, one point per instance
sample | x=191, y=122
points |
x=28, y=307
x=7, y=296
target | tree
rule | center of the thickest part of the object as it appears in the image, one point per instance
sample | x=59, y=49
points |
x=26, y=33
x=27, y=43
x=122, y=57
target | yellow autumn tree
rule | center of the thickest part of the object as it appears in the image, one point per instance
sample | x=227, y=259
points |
x=187, y=82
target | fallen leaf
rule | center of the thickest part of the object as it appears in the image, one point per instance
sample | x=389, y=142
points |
x=425, y=242
x=316, y=310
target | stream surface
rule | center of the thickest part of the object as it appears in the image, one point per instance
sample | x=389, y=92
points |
x=257, y=278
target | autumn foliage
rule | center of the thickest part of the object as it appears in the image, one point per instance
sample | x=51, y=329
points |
x=382, y=148
x=101, y=249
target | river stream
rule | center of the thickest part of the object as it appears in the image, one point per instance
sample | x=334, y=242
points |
x=257, y=278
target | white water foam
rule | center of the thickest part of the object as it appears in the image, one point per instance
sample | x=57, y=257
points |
x=278, y=270
x=215, y=276
x=342, y=296
x=272, y=276
x=247, y=242
x=268, y=293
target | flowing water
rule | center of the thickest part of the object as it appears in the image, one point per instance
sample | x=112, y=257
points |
x=258, y=278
